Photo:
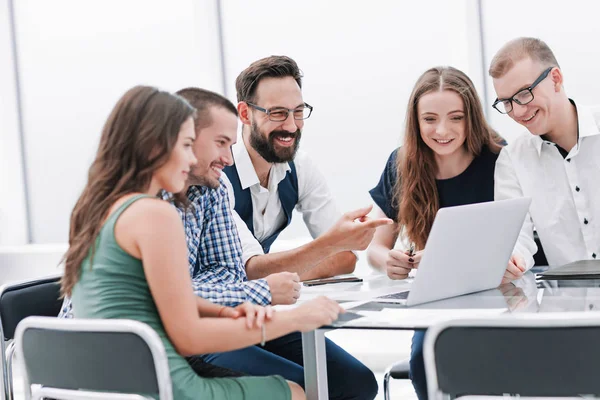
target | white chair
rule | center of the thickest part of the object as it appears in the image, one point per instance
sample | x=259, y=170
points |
x=92, y=359
x=540, y=355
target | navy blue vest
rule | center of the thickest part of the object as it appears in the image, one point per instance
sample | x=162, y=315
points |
x=288, y=195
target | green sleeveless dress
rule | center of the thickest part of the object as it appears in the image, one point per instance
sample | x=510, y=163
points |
x=115, y=287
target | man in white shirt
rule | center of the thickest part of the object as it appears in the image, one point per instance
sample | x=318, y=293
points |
x=556, y=163
x=270, y=179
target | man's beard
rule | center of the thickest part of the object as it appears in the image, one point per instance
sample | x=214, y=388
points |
x=266, y=147
x=199, y=180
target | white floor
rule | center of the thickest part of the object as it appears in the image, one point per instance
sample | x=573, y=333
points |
x=377, y=350
x=400, y=389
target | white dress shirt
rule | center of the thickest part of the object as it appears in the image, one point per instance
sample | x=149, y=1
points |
x=565, y=192
x=315, y=201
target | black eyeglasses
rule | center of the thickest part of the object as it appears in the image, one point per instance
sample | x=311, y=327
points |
x=280, y=114
x=522, y=97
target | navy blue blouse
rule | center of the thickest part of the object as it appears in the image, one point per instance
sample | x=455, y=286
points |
x=474, y=185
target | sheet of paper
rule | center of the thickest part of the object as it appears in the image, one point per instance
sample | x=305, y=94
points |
x=330, y=287
x=349, y=305
x=421, y=317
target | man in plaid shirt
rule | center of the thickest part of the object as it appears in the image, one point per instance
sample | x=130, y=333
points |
x=215, y=251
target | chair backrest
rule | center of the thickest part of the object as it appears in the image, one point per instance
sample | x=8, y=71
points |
x=535, y=355
x=19, y=300
x=121, y=356
x=34, y=297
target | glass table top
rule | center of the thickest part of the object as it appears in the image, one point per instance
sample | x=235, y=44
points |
x=523, y=298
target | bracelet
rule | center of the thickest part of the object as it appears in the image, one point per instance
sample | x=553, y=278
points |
x=220, y=311
x=263, y=338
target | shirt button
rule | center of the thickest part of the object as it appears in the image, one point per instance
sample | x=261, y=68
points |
x=593, y=255
x=568, y=160
x=585, y=221
x=577, y=189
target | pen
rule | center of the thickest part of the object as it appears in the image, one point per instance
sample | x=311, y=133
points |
x=411, y=250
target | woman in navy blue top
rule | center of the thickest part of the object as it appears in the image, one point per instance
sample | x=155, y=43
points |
x=447, y=159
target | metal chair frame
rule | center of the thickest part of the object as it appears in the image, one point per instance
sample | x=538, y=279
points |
x=546, y=321
x=34, y=391
x=404, y=366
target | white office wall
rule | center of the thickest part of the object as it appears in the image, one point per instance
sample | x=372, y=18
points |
x=77, y=59
x=13, y=223
x=360, y=61
x=571, y=30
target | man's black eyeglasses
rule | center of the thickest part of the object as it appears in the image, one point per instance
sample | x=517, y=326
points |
x=280, y=114
x=522, y=97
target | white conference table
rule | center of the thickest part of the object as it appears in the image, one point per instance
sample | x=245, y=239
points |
x=523, y=296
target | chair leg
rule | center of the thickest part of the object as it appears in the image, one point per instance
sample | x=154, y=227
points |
x=10, y=351
x=4, y=378
x=386, y=385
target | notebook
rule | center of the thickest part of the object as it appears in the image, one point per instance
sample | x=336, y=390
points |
x=584, y=269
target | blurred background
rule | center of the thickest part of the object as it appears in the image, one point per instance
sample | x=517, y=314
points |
x=64, y=64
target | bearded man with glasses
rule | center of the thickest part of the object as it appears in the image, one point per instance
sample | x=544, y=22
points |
x=270, y=179
x=556, y=163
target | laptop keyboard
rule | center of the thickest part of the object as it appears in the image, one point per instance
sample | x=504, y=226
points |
x=398, y=296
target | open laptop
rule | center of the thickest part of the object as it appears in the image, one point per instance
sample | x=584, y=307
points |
x=467, y=251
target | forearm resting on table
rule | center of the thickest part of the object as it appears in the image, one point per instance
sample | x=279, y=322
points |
x=339, y=264
x=213, y=335
x=300, y=260
x=234, y=294
x=207, y=308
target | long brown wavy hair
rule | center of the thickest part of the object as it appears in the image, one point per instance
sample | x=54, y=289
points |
x=136, y=140
x=416, y=192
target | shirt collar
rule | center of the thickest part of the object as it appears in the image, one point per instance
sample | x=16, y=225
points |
x=538, y=142
x=195, y=192
x=246, y=171
x=586, y=125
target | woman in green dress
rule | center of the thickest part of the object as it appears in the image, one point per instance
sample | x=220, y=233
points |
x=128, y=258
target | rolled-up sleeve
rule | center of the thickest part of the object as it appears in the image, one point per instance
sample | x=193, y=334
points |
x=384, y=194
x=233, y=294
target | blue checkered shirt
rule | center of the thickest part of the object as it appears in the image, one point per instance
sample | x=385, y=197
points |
x=214, y=252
